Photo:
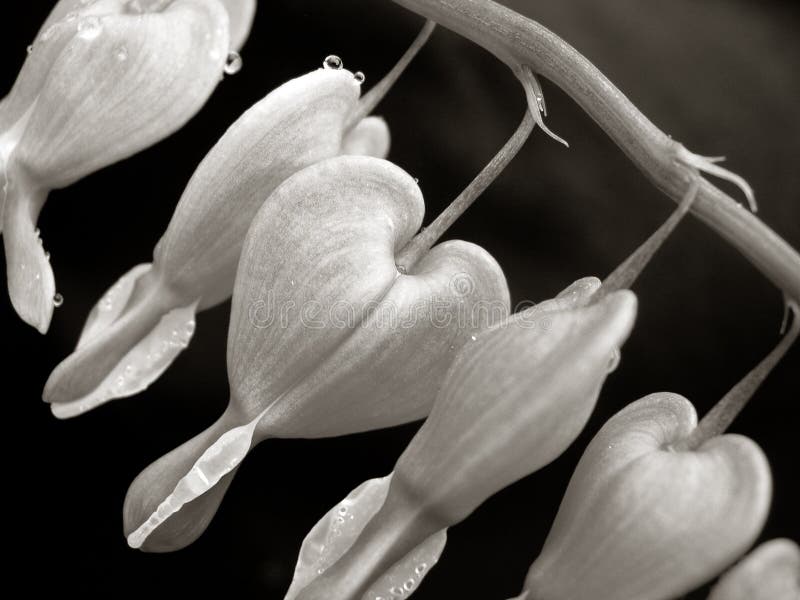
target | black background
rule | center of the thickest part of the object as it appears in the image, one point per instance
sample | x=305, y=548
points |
x=720, y=76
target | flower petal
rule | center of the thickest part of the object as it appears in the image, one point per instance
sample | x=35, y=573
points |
x=240, y=14
x=641, y=520
x=770, y=572
x=338, y=529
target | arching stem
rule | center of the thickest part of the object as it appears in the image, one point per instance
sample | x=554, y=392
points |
x=372, y=98
x=719, y=418
x=425, y=239
x=517, y=40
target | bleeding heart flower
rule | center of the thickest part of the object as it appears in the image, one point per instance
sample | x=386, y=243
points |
x=642, y=520
x=659, y=503
x=513, y=401
x=144, y=321
x=770, y=572
x=327, y=337
x=103, y=80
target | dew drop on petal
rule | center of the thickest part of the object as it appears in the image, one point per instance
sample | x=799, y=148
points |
x=30, y=49
x=233, y=64
x=58, y=300
x=121, y=53
x=332, y=62
x=402, y=270
x=421, y=568
x=359, y=77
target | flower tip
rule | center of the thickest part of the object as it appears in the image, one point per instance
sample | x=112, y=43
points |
x=31, y=285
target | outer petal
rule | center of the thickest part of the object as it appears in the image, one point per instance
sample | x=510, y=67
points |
x=341, y=222
x=641, y=521
x=770, y=572
x=300, y=123
x=512, y=403
x=148, y=74
x=241, y=14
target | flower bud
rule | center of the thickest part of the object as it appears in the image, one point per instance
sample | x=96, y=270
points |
x=129, y=338
x=102, y=82
x=326, y=336
x=770, y=572
x=515, y=398
x=642, y=519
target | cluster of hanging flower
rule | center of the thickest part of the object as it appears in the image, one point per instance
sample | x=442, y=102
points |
x=296, y=208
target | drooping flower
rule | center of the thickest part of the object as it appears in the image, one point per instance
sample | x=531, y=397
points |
x=770, y=572
x=103, y=80
x=146, y=319
x=659, y=503
x=327, y=336
x=513, y=401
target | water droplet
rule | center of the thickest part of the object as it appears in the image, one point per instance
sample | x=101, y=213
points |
x=408, y=585
x=320, y=571
x=332, y=62
x=402, y=270
x=416, y=179
x=121, y=53
x=107, y=303
x=339, y=520
x=473, y=338
x=397, y=591
x=89, y=28
x=58, y=300
x=421, y=568
x=47, y=256
x=343, y=510
x=233, y=64
x=189, y=328
x=613, y=361
x=30, y=49
x=359, y=77
x=128, y=370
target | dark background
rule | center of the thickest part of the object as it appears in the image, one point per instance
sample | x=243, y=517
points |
x=720, y=76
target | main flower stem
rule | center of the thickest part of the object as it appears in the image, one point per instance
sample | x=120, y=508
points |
x=517, y=40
